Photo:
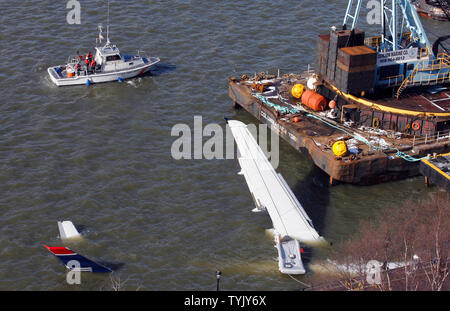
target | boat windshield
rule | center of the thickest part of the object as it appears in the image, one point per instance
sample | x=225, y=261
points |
x=113, y=57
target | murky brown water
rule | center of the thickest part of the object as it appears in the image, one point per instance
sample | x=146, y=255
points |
x=100, y=155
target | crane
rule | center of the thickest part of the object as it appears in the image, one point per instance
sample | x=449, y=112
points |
x=398, y=18
x=409, y=57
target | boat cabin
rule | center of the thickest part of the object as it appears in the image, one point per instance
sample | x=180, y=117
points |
x=107, y=54
x=110, y=59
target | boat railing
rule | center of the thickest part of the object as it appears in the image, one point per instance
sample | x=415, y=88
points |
x=72, y=59
x=441, y=67
x=143, y=54
x=127, y=58
x=278, y=72
x=429, y=79
x=375, y=41
x=311, y=69
x=424, y=52
x=395, y=80
x=439, y=136
x=444, y=57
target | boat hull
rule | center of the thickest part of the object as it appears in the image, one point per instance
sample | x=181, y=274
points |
x=428, y=10
x=99, y=77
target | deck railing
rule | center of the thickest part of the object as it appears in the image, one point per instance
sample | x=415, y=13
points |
x=395, y=80
x=72, y=59
x=439, y=136
x=441, y=62
x=375, y=41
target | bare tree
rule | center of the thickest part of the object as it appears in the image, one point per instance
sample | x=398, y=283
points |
x=412, y=242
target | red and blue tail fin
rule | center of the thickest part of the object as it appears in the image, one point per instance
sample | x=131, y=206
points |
x=66, y=255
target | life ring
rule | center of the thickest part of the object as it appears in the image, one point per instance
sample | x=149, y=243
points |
x=415, y=125
x=376, y=122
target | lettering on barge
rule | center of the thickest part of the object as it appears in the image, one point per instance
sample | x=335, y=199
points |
x=278, y=129
x=397, y=57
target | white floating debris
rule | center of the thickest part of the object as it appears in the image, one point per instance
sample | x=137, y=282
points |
x=380, y=142
x=270, y=89
x=352, y=145
x=260, y=82
x=67, y=230
x=372, y=130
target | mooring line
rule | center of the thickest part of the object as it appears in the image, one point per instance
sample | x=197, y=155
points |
x=299, y=281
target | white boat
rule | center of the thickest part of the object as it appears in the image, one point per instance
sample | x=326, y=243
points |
x=110, y=65
x=272, y=194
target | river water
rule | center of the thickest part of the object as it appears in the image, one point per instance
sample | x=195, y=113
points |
x=100, y=156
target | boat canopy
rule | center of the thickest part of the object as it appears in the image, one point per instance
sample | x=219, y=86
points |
x=107, y=53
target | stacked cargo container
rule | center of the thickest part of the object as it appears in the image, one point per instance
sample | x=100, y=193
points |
x=344, y=61
x=355, y=70
x=340, y=39
x=322, y=55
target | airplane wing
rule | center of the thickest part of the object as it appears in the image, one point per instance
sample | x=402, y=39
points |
x=269, y=189
x=66, y=255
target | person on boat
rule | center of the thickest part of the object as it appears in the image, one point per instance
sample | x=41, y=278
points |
x=93, y=65
x=87, y=61
x=78, y=68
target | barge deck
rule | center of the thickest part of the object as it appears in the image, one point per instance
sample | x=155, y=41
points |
x=378, y=151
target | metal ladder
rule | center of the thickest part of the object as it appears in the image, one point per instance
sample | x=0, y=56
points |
x=441, y=64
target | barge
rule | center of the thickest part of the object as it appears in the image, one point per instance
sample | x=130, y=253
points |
x=437, y=170
x=372, y=109
x=435, y=9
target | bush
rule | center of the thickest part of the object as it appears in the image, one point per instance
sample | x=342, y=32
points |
x=415, y=235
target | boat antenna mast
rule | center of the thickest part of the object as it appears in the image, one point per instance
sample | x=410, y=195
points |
x=107, y=27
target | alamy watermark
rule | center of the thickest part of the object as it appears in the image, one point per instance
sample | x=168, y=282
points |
x=74, y=15
x=374, y=14
x=190, y=143
x=373, y=272
x=74, y=275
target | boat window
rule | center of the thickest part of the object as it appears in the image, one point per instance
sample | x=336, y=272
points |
x=112, y=58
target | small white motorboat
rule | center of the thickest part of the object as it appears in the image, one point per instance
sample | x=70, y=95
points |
x=107, y=65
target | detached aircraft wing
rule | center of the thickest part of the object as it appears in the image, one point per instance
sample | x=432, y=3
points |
x=269, y=189
x=66, y=255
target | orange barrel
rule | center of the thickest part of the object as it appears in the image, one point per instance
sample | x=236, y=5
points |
x=314, y=100
x=70, y=72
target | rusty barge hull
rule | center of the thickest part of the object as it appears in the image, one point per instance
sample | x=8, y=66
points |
x=437, y=170
x=312, y=137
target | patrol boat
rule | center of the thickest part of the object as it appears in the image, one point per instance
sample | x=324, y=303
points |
x=107, y=65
